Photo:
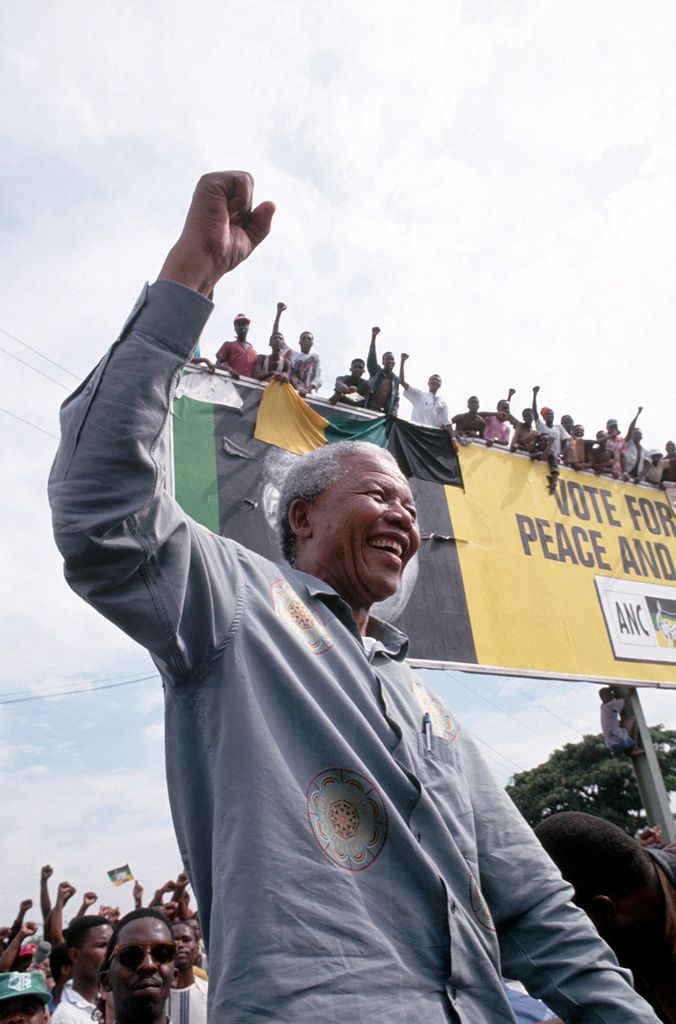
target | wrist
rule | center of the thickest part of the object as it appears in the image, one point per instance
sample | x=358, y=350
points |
x=191, y=269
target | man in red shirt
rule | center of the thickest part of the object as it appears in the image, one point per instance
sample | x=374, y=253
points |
x=238, y=356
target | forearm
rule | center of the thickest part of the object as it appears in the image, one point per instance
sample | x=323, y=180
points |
x=128, y=548
x=10, y=953
x=56, y=922
x=545, y=942
x=402, y=377
x=372, y=358
x=556, y=953
x=45, y=901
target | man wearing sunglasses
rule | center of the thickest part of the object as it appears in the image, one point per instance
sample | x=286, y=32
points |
x=139, y=968
x=352, y=856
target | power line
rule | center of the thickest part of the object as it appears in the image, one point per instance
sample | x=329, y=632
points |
x=39, y=353
x=536, y=700
x=82, y=689
x=503, y=757
x=34, y=369
x=90, y=683
x=482, y=696
x=562, y=720
x=29, y=424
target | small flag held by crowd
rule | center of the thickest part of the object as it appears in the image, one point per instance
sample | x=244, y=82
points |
x=119, y=876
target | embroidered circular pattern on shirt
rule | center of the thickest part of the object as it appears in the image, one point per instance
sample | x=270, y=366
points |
x=305, y=623
x=479, y=906
x=443, y=723
x=347, y=816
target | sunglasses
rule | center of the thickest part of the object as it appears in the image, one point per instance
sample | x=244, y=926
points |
x=132, y=954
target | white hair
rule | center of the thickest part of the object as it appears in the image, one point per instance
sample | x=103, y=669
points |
x=310, y=475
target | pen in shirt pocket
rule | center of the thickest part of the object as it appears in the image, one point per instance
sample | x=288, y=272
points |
x=427, y=730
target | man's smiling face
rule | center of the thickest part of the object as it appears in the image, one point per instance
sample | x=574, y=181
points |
x=360, y=532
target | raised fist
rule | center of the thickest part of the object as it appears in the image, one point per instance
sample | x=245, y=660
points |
x=220, y=231
x=66, y=890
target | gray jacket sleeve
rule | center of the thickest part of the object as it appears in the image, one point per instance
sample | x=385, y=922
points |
x=545, y=941
x=128, y=548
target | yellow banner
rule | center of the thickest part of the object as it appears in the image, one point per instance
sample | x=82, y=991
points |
x=582, y=582
x=288, y=422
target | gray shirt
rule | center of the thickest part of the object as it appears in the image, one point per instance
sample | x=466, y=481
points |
x=347, y=865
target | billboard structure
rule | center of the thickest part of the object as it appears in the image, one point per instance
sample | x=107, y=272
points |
x=509, y=578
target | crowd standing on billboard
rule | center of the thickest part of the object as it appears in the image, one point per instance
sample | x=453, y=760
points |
x=373, y=384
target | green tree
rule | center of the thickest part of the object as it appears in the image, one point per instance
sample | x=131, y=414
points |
x=585, y=777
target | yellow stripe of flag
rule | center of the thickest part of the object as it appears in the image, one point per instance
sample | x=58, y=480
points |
x=288, y=422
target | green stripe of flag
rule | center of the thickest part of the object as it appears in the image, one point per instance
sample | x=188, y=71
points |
x=195, y=478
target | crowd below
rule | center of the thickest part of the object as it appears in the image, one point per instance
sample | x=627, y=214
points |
x=374, y=385
x=149, y=966
x=71, y=972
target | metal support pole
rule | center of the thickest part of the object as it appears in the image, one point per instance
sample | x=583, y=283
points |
x=651, y=786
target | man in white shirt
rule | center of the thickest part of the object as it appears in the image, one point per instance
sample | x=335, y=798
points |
x=188, y=999
x=428, y=408
x=87, y=938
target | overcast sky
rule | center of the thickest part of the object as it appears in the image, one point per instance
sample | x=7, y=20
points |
x=490, y=183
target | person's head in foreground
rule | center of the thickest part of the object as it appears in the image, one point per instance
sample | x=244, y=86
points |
x=434, y=383
x=139, y=967
x=23, y=998
x=614, y=879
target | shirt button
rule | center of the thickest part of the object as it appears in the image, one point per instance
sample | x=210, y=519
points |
x=454, y=906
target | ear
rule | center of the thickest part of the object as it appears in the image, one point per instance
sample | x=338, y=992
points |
x=104, y=978
x=602, y=911
x=299, y=518
x=73, y=955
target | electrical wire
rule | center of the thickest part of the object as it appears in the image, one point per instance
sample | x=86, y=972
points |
x=39, y=353
x=29, y=424
x=132, y=677
x=536, y=700
x=81, y=689
x=34, y=369
x=482, y=696
x=504, y=758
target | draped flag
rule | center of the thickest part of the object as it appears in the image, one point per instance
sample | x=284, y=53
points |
x=287, y=421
